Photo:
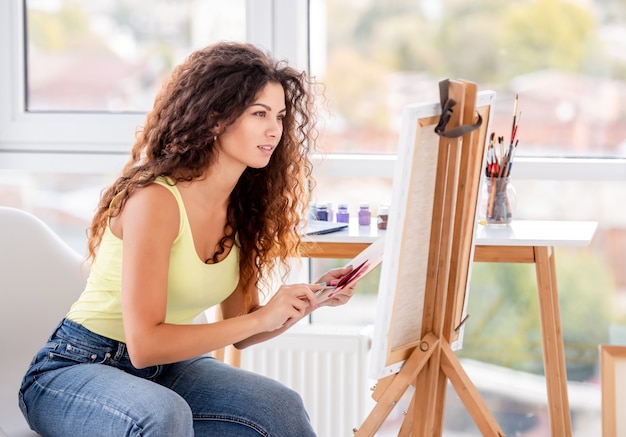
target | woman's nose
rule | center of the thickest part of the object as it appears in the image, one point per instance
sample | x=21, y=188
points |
x=275, y=128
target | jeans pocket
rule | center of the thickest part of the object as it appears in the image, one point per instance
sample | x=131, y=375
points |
x=60, y=353
x=71, y=352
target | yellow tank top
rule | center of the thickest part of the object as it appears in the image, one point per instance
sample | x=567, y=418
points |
x=193, y=286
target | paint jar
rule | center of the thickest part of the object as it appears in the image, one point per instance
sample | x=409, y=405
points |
x=383, y=216
x=365, y=215
x=500, y=200
x=343, y=216
x=322, y=212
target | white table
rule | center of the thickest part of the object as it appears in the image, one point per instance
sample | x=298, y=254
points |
x=537, y=233
x=519, y=242
x=341, y=244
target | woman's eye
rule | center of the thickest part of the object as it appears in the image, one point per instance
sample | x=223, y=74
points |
x=260, y=113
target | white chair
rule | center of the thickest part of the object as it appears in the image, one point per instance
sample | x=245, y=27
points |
x=40, y=277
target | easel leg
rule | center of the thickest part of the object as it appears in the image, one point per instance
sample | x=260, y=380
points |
x=409, y=418
x=417, y=423
x=553, y=349
x=394, y=391
x=423, y=416
x=468, y=393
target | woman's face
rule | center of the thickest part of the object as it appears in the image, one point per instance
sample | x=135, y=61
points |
x=252, y=138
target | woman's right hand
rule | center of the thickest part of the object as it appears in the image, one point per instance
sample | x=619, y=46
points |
x=287, y=306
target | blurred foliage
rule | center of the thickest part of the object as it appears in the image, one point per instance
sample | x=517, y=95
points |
x=504, y=324
x=358, y=80
x=54, y=31
x=68, y=27
x=485, y=41
x=547, y=34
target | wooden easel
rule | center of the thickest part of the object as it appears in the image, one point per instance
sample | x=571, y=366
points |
x=431, y=362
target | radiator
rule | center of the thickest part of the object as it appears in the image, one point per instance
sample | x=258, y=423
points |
x=328, y=366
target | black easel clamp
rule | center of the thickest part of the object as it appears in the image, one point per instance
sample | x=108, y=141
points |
x=446, y=112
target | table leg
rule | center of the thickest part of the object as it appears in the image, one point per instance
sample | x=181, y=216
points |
x=552, y=336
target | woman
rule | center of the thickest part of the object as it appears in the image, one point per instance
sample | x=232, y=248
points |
x=208, y=205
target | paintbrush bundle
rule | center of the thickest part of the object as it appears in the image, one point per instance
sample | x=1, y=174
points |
x=499, y=163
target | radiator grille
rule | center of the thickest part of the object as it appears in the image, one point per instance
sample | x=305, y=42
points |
x=327, y=366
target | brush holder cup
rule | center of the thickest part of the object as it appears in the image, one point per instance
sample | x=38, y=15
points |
x=499, y=200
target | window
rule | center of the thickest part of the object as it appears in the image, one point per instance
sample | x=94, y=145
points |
x=564, y=59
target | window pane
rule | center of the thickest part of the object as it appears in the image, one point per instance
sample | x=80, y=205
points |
x=565, y=60
x=112, y=55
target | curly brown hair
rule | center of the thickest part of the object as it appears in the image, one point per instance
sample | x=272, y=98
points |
x=212, y=88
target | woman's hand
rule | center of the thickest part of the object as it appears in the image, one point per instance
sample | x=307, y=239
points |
x=343, y=295
x=287, y=306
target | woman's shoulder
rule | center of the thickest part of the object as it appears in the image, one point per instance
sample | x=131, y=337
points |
x=161, y=188
x=149, y=208
x=156, y=198
x=165, y=181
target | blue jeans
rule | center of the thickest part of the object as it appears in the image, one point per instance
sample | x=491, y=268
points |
x=81, y=383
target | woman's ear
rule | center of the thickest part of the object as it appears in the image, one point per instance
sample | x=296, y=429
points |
x=216, y=132
x=218, y=126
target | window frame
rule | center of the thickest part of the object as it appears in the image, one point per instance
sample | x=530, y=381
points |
x=60, y=132
x=28, y=137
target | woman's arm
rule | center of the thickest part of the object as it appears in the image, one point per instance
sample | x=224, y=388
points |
x=148, y=226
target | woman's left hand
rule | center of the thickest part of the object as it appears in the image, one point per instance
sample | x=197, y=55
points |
x=342, y=296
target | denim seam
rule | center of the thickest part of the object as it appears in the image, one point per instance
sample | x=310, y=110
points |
x=232, y=419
